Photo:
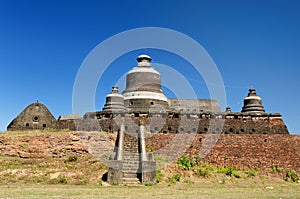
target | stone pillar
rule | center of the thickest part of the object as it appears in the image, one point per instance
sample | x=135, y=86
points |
x=142, y=142
x=121, y=143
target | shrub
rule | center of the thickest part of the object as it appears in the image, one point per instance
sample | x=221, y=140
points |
x=174, y=178
x=185, y=163
x=250, y=172
x=275, y=169
x=159, y=176
x=148, y=184
x=291, y=175
x=208, y=166
x=227, y=170
x=203, y=172
x=237, y=175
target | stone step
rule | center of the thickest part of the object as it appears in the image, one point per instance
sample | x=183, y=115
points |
x=125, y=157
x=131, y=160
x=131, y=181
x=135, y=154
x=130, y=163
x=131, y=155
x=130, y=169
x=129, y=175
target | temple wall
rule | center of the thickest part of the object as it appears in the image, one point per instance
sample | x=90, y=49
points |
x=243, y=150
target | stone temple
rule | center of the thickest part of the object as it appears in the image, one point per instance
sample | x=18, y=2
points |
x=143, y=108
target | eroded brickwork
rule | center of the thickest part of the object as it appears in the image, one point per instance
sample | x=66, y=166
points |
x=186, y=123
x=243, y=150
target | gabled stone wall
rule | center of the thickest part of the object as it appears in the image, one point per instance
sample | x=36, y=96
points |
x=34, y=116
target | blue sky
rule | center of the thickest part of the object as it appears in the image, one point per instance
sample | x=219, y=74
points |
x=253, y=43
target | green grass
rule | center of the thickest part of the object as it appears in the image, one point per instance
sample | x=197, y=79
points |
x=179, y=190
x=50, y=170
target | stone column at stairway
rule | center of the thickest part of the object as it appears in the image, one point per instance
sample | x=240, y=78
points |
x=131, y=164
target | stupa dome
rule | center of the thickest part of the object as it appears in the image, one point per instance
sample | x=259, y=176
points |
x=143, y=83
x=253, y=102
x=114, y=101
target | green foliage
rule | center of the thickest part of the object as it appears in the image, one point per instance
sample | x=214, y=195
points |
x=177, y=177
x=237, y=175
x=291, y=175
x=185, y=163
x=208, y=166
x=276, y=169
x=203, y=172
x=250, y=172
x=231, y=171
x=148, y=184
x=223, y=170
x=159, y=176
x=174, y=178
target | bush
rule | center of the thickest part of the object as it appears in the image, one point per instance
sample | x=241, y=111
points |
x=275, y=169
x=159, y=176
x=237, y=175
x=291, y=175
x=185, y=163
x=250, y=172
x=203, y=172
x=227, y=170
x=174, y=178
x=148, y=184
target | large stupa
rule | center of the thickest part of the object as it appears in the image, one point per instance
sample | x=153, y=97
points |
x=143, y=87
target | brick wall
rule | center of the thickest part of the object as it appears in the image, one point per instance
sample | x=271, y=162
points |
x=242, y=150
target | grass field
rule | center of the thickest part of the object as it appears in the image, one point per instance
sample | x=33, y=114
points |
x=199, y=189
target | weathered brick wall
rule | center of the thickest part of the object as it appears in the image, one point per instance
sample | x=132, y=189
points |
x=242, y=150
x=197, y=125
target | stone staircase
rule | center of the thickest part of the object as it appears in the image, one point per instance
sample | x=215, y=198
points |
x=130, y=168
x=126, y=166
x=131, y=159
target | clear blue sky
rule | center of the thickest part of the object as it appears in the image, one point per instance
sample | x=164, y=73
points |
x=253, y=43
